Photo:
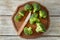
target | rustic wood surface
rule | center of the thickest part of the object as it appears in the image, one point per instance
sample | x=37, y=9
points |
x=7, y=9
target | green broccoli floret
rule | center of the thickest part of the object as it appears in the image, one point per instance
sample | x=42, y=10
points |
x=17, y=18
x=35, y=15
x=21, y=13
x=28, y=7
x=36, y=7
x=34, y=18
x=28, y=31
x=40, y=27
x=42, y=14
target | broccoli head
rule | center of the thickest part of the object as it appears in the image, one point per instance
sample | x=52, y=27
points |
x=17, y=18
x=34, y=15
x=40, y=27
x=28, y=7
x=34, y=18
x=28, y=31
x=42, y=14
x=36, y=7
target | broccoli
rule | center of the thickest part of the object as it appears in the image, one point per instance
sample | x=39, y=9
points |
x=34, y=18
x=21, y=13
x=17, y=18
x=28, y=31
x=28, y=7
x=36, y=7
x=34, y=15
x=40, y=27
x=42, y=14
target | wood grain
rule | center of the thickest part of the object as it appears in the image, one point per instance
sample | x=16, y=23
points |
x=18, y=38
x=9, y=7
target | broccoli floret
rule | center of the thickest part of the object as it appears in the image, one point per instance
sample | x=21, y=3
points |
x=42, y=14
x=17, y=18
x=28, y=31
x=36, y=7
x=40, y=27
x=34, y=15
x=28, y=7
x=34, y=18
x=37, y=20
x=21, y=13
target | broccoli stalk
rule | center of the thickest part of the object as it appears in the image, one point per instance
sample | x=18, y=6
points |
x=21, y=13
x=42, y=14
x=40, y=27
x=36, y=7
x=28, y=7
x=28, y=31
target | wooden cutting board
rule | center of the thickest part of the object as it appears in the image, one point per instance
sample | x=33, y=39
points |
x=17, y=25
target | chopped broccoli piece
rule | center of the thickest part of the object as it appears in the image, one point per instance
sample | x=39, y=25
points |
x=34, y=18
x=17, y=18
x=34, y=15
x=28, y=31
x=36, y=7
x=21, y=13
x=28, y=7
x=37, y=20
x=40, y=27
x=42, y=14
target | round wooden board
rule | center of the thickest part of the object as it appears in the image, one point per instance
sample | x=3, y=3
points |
x=17, y=25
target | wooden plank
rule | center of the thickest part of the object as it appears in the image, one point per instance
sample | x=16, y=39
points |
x=8, y=7
x=7, y=28
x=19, y=38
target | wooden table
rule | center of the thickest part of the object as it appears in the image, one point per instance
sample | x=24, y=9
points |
x=7, y=9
